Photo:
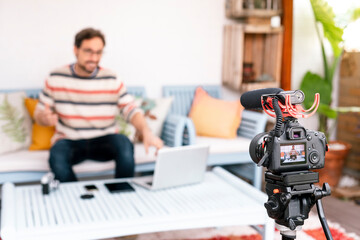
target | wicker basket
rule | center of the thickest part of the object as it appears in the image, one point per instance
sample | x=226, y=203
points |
x=334, y=162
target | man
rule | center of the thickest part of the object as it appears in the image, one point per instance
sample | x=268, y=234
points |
x=82, y=100
x=293, y=153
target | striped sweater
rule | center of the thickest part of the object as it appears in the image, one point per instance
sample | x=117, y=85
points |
x=86, y=107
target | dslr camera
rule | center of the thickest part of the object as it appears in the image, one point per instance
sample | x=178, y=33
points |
x=289, y=146
x=295, y=149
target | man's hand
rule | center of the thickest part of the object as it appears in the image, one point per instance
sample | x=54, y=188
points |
x=46, y=117
x=150, y=139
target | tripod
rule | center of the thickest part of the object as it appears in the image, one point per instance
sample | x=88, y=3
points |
x=291, y=196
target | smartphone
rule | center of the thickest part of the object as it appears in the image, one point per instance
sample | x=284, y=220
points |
x=91, y=188
x=119, y=187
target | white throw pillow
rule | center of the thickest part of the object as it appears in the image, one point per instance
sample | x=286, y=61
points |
x=155, y=111
x=15, y=122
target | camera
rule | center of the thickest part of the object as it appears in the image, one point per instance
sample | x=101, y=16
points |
x=289, y=146
x=289, y=152
x=49, y=183
x=295, y=149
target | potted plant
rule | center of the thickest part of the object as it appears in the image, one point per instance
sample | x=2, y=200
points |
x=312, y=83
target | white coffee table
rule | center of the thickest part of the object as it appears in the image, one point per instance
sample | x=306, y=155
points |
x=221, y=200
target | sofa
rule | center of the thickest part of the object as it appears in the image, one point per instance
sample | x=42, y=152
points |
x=29, y=166
x=177, y=130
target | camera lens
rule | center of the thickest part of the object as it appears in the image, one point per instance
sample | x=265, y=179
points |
x=256, y=148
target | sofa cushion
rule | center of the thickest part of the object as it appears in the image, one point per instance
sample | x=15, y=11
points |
x=222, y=145
x=155, y=111
x=25, y=160
x=214, y=117
x=15, y=123
x=41, y=135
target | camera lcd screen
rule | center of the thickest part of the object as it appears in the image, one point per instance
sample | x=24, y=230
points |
x=291, y=154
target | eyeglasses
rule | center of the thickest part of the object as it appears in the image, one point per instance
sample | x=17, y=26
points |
x=90, y=52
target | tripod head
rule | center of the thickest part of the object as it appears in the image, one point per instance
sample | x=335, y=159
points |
x=292, y=195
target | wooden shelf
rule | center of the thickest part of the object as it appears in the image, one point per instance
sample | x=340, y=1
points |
x=260, y=13
x=259, y=45
x=238, y=9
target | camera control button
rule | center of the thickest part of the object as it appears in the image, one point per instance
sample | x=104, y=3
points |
x=308, y=137
x=314, y=157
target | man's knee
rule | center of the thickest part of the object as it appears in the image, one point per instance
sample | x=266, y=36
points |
x=60, y=151
x=123, y=142
x=124, y=147
x=60, y=161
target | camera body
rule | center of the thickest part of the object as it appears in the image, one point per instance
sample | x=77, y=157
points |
x=296, y=149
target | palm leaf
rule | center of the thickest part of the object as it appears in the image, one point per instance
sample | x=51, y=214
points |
x=324, y=14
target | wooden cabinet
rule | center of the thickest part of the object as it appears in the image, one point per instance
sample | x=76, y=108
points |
x=251, y=56
x=252, y=48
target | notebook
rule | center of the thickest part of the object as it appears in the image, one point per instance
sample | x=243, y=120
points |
x=177, y=166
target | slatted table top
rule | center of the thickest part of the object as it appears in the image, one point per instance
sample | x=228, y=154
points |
x=220, y=200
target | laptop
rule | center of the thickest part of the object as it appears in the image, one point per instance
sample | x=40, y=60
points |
x=177, y=166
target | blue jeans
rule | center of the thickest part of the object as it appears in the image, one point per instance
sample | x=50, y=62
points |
x=66, y=153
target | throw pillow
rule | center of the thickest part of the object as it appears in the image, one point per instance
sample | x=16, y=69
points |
x=155, y=112
x=125, y=128
x=15, y=123
x=41, y=135
x=214, y=117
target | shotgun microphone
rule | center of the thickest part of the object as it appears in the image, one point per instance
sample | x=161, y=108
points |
x=252, y=99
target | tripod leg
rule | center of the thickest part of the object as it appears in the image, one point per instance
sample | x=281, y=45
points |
x=322, y=218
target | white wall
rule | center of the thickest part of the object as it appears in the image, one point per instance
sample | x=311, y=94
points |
x=306, y=50
x=149, y=42
x=306, y=47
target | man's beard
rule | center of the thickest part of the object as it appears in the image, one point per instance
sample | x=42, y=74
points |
x=83, y=67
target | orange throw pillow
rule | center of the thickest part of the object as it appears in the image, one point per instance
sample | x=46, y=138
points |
x=41, y=135
x=214, y=117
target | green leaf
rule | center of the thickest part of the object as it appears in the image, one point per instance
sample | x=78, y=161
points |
x=311, y=84
x=324, y=14
x=327, y=111
x=355, y=14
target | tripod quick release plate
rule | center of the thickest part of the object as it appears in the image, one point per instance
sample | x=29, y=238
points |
x=292, y=178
